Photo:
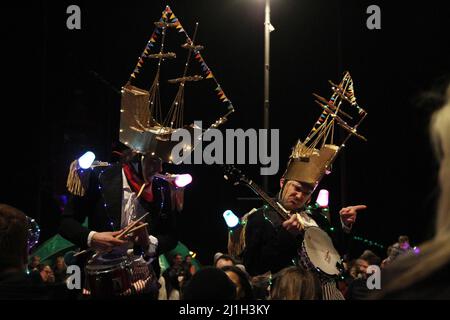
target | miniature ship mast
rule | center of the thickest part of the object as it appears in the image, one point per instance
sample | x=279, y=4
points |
x=175, y=114
x=323, y=130
x=142, y=126
x=312, y=159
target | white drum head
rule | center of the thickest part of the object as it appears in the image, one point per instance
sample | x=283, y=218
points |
x=321, y=251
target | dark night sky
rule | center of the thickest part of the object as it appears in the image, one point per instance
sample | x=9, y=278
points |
x=61, y=96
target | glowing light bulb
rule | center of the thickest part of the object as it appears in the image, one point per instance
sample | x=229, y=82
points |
x=322, y=198
x=230, y=218
x=86, y=160
x=183, y=180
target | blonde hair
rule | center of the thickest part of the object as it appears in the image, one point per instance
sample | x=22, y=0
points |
x=435, y=253
x=440, y=135
x=295, y=283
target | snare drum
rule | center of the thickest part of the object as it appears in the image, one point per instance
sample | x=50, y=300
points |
x=109, y=277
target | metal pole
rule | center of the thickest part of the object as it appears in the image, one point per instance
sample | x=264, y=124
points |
x=266, y=76
x=343, y=168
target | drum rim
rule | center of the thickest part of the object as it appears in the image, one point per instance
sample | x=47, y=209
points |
x=318, y=269
x=119, y=266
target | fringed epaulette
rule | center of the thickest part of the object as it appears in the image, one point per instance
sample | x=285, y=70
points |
x=236, y=236
x=78, y=179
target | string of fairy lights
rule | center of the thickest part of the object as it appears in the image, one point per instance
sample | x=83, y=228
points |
x=365, y=241
x=324, y=211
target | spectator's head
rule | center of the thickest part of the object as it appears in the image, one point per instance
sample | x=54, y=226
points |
x=13, y=238
x=241, y=280
x=34, y=262
x=359, y=268
x=261, y=285
x=403, y=242
x=295, y=283
x=188, y=259
x=209, y=284
x=221, y=260
x=177, y=260
x=60, y=264
x=371, y=258
x=46, y=272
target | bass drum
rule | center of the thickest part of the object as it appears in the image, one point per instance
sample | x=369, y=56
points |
x=318, y=253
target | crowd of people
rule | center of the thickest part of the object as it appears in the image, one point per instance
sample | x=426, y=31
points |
x=265, y=270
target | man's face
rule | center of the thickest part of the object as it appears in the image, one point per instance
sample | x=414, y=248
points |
x=405, y=245
x=178, y=260
x=363, y=265
x=151, y=166
x=295, y=194
x=60, y=263
x=35, y=262
x=46, y=273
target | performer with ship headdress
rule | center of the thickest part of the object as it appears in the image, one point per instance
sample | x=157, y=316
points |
x=131, y=207
x=288, y=231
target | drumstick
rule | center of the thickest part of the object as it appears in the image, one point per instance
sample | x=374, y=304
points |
x=125, y=231
x=134, y=229
x=131, y=225
x=83, y=251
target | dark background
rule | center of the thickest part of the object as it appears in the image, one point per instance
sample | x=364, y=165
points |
x=60, y=98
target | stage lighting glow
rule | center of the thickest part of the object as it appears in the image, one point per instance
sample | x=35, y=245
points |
x=183, y=180
x=86, y=160
x=322, y=198
x=230, y=218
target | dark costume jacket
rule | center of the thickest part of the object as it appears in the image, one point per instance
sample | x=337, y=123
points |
x=102, y=205
x=270, y=247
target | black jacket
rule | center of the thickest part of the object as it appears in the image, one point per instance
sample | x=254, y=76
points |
x=270, y=247
x=22, y=286
x=102, y=205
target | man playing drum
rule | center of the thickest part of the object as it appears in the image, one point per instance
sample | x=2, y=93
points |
x=114, y=198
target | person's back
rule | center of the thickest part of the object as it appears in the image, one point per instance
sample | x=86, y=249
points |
x=22, y=286
x=424, y=272
x=435, y=286
x=15, y=283
x=209, y=283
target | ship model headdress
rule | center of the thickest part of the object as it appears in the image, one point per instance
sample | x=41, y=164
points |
x=312, y=159
x=142, y=125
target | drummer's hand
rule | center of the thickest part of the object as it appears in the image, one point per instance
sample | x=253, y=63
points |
x=106, y=240
x=293, y=225
x=348, y=214
x=141, y=236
